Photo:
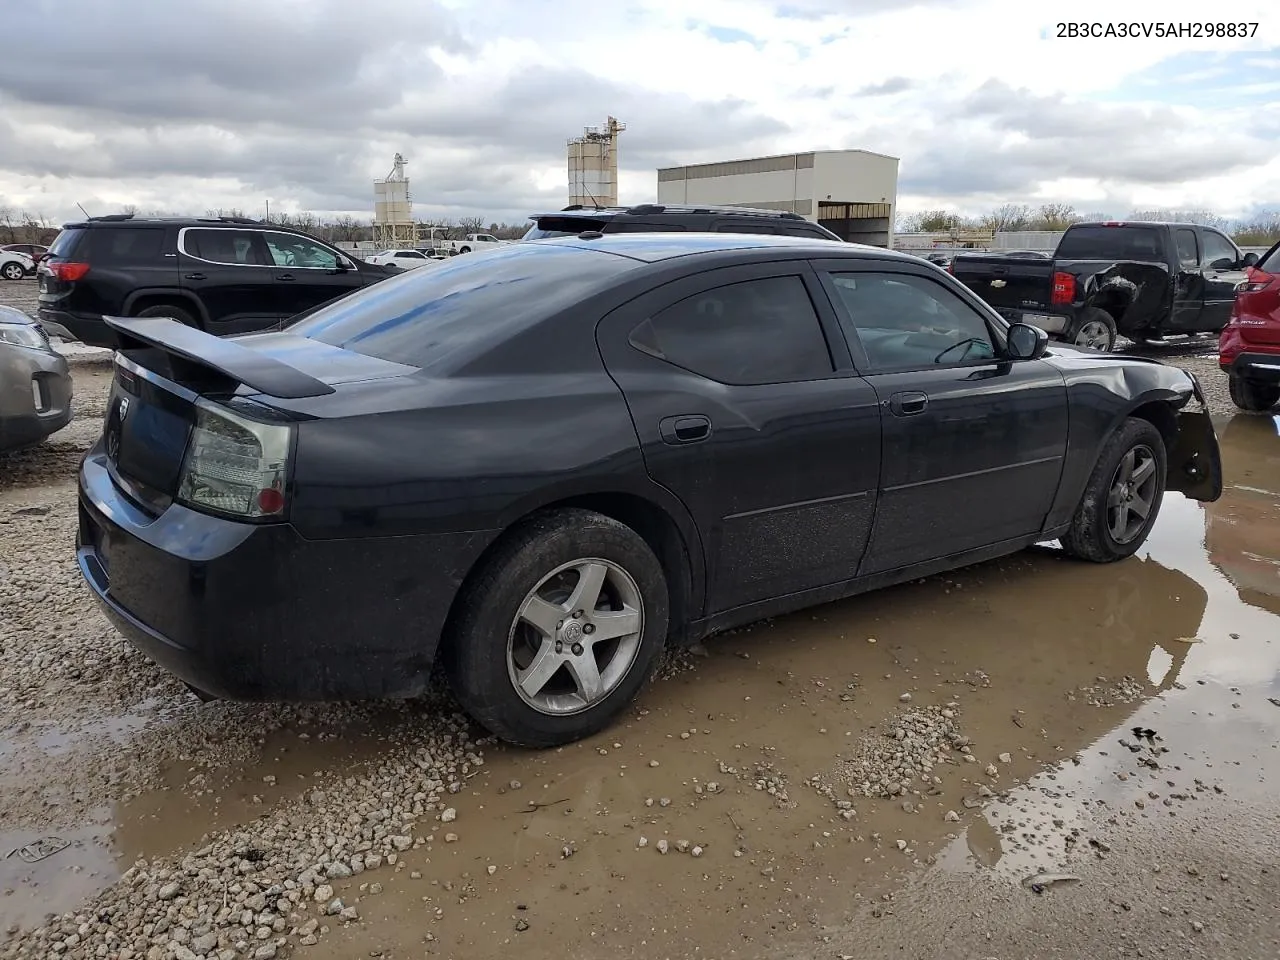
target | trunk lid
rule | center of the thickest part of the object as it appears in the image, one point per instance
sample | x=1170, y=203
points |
x=164, y=367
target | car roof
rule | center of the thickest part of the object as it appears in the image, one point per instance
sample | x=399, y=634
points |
x=117, y=218
x=655, y=247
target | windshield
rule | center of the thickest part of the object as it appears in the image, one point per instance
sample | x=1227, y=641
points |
x=547, y=227
x=424, y=316
x=1129, y=242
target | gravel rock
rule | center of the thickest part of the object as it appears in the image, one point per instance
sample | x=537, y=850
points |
x=449, y=815
x=899, y=756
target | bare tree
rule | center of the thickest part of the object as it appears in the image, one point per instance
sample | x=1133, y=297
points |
x=471, y=224
x=1205, y=218
x=1010, y=216
x=1054, y=216
x=1262, y=229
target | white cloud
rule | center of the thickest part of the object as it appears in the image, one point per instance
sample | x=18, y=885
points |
x=303, y=103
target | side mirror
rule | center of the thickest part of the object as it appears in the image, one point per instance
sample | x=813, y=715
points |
x=1249, y=260
x=1026, y=342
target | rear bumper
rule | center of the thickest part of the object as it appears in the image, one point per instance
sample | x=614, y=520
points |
x=89, y=329
x=22, y=373
x=1054, y=324
x=257, y=612
x=1250, y=365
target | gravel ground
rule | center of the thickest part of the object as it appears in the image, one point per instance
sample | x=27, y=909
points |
x=981, y=724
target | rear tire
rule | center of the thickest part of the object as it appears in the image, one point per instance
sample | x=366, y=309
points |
x=180, y=314
x=13, y=271
x=1252, y=396
x=1094, y=329
x=551, y=683
x=465, y=250
x=1130, y=476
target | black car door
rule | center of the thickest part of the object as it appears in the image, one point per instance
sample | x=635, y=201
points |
x=1223, y=272
x=307, y=273
x=1188, y=283
x=227, y=271
x=973, y=444
x=744, y=413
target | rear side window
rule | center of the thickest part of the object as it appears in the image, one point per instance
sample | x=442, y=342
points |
x=754, y=332
x=644, y=226
x=236, y=247
x=1129, y=242
x=126, y=244
x=1188, y=248
x=423, y=317
x=1270, y=261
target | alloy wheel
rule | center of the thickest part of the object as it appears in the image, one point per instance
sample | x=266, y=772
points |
x=1132, y=494
x=575, y=637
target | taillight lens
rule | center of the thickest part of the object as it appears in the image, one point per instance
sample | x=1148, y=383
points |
x=236, y=466
x=66, y=270
x=1064, y=289
x=1256, y=280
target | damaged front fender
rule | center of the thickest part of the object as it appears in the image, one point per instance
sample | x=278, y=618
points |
x=1195, y=460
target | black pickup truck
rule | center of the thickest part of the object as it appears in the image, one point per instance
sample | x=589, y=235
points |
x=1144, y=280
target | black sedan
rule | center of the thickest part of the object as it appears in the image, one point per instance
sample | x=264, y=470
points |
x=543, y=464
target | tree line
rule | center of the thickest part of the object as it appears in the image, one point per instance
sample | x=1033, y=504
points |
x=1261, y=229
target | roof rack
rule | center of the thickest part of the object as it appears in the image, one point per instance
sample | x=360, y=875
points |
x=645, y=209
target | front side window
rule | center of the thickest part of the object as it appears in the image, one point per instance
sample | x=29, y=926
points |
x=754, y=332
x=290, y=250
x=1218, y=251
x=905, y=322
x=235, y=247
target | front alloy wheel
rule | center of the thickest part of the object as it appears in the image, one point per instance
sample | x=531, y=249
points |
x=1133, y=492
x=575, y=637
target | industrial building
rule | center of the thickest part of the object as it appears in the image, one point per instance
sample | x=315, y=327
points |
x=393, y=226
x=593, y=165
x=853, y=193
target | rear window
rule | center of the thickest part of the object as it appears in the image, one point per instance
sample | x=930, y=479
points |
x=424, y=316
x=1270, y=261
x=65, y=242
x=1112, y=243
x=547, y=227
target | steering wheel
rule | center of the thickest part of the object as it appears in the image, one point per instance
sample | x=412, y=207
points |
x=966, y=343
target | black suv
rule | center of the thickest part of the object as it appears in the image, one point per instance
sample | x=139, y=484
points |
x=669, y=217
x=224, y=275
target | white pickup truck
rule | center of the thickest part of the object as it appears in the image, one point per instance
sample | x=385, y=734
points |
x=472, y=241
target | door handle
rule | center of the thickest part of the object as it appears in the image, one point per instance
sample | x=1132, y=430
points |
x=284, y=276
x=195, y=276
x=686, y=429
x=909, y=403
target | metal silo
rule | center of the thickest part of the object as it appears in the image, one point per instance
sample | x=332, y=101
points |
x=593, y=166
x=393, y=209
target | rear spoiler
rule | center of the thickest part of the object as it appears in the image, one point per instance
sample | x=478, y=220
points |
x=198, y=352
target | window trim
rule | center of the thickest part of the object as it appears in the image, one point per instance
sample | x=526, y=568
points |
x=997, y=326
x=263, y=249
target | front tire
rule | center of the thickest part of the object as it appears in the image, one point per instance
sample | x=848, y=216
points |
x=559, y=630
x=1251, y=396
x=1122, y=498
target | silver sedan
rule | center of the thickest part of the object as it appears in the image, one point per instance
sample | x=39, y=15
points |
x=35, y=383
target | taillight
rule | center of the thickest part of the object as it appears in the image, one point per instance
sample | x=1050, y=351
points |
x=1064, y=289
x=949, y=270
x=1256, y=280
x=236, y=466
x=65, y=270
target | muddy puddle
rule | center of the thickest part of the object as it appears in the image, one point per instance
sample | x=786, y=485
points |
x=1004, y=718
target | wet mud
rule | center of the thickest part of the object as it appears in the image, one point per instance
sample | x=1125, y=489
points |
x=1028, y=715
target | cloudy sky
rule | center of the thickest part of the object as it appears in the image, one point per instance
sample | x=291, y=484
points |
x=188, y=105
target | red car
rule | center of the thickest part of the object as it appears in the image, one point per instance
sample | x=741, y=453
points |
x=1249, y=346
x=35, y=251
